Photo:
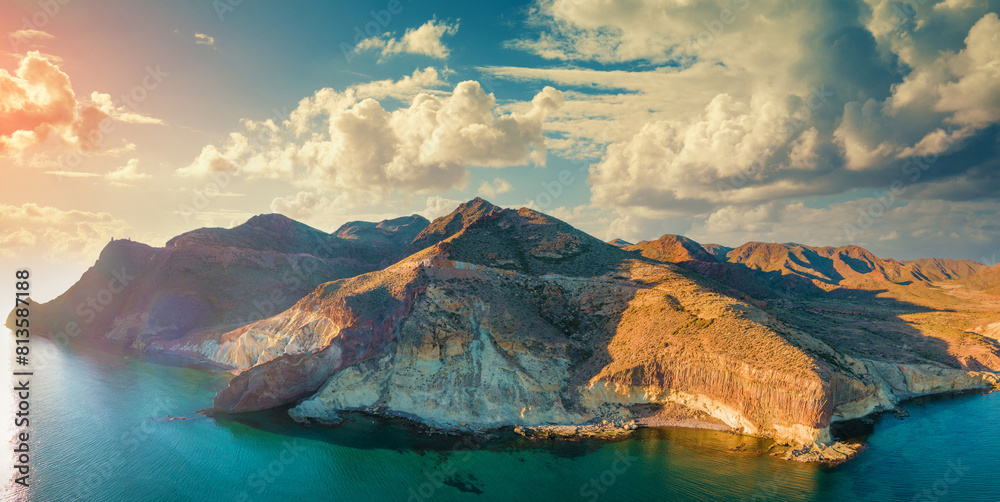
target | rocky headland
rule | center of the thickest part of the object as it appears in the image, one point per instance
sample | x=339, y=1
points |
x=491, y=317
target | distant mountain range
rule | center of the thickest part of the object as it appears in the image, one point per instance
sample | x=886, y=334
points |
x=800, y=267
x=492, y=317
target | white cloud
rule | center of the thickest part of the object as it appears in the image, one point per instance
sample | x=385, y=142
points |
x=956, y=4
x=203, y=39
x=347, y=143
x=39, y=109
x=30, y=37
x=425, y=40
x=497, y=186
x=33, y=230
x=624, y=101
x=73, y=174
x=128, y=172
x=764, y=100
x=121, y=113
x=38, y=104
x=677, y=160
x=118, y=177
x=438, y=206
x=301, y=205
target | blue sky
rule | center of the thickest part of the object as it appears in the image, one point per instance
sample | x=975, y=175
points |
x=867, y=122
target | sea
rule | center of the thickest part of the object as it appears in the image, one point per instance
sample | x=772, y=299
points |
x=107, y=426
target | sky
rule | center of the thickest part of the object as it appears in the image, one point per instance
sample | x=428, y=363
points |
x=866, y=122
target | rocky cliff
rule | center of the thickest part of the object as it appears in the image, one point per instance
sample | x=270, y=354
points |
x=211, y=280
x=515, y=318
x=492, y=317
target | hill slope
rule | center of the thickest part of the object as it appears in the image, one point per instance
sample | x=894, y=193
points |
x=492, y=317
x=515, y=318
x=208, y=279
x=986, y=280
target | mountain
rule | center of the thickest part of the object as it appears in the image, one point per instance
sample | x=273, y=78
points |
x=986, y=280
x=516, y=318
x=392, y=233
x=619, y=243
x=939, y=269
x=717, y=250
x=672, y=248
x=850, y=266
x=491, y=317
x=210, y=279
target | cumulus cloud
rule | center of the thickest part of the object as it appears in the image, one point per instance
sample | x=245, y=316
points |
x=749, y=102
x=438, y=206
x=37, y=103
x=301, y=205
x=425, y=40
x=348, y=143
x=965, y=85
x=570, y=30
x=126, y=173
x=490, y=189
x=38, y=106
x=33, y=230
x=203, y=39
x=618, y=103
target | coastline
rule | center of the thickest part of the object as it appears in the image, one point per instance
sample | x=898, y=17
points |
x=841, y=449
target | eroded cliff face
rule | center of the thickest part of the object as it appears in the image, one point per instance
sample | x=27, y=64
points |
x=209, y=281
x=500, y=317
x=513, y=318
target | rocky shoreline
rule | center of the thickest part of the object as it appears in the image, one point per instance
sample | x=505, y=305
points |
x=828, y=454
x=604, y=430
x=831, y=455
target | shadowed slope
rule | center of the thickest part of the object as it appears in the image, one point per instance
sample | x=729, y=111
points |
x=208, y=279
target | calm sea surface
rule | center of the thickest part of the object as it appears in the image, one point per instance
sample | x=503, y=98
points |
x=100, y=431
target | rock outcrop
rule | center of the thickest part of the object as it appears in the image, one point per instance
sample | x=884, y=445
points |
x=212, y=280
x=515, y=318
x=492, y=317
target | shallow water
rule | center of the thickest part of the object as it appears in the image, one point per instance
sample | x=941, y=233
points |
x=100, y=432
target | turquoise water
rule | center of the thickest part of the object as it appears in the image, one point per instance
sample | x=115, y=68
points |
x=100, y=432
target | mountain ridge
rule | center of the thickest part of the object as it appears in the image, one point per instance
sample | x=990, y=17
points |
x=490, y=317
